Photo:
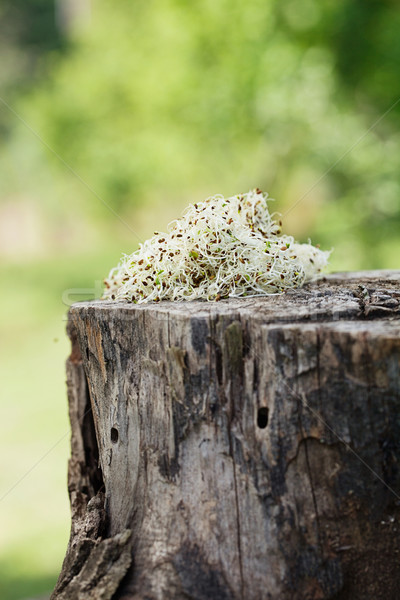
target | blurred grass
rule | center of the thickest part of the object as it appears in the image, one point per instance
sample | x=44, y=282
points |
x=34, y=430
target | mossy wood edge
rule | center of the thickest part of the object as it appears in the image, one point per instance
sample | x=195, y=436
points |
x=245, y=449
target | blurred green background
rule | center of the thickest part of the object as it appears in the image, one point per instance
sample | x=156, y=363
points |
x=114, y=115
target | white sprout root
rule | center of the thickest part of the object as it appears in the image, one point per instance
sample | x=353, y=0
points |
x=220, y=248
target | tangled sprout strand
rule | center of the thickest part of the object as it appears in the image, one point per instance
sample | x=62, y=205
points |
x=220, y=248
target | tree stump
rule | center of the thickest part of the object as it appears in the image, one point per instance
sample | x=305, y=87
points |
x=245, y=449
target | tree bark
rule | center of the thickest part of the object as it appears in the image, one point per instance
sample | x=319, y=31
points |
x=246, y=449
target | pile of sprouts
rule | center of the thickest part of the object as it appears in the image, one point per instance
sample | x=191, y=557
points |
x=219, y=248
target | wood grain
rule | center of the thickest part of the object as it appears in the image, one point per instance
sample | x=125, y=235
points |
x=245, y=449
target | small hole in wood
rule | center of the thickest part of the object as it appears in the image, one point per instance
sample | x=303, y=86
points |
x=114, y=435
x=262, y=417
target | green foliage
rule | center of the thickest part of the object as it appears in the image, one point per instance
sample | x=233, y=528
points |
x=28, y=31
x=170, y=98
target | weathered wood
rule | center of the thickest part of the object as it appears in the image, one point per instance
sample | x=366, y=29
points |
x=249, y=449
x=95, y=563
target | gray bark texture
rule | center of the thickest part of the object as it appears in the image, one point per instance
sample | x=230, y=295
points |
x=247, y=449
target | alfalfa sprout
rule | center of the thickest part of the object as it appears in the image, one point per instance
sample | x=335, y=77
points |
x=219, y=248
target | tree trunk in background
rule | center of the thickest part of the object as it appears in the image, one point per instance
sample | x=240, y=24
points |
x=246, y=449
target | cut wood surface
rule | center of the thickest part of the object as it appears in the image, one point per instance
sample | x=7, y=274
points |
x=245, y=449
